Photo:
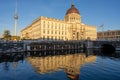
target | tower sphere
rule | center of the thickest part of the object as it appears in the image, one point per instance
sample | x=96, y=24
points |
x=16, y=17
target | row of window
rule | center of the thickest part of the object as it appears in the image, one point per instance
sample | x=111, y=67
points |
x=117, y=37
x=54, y=27
x=53, y=24
x=72, y=18
x=110, y=33
x=54, y=32
x=53, y=38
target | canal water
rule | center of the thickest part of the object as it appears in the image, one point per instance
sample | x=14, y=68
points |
x=89, y=65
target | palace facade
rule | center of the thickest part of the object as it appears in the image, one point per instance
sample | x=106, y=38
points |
x=71, y=28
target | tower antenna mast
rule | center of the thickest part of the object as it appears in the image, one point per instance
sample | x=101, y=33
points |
x=16, y=19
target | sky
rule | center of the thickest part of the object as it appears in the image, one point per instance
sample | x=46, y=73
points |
x=93, y=12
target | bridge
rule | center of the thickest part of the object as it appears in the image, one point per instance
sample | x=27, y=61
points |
x=99, y=44
x=70, y=45
x=54, y=45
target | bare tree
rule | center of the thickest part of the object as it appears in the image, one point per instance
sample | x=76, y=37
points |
x=6, y=35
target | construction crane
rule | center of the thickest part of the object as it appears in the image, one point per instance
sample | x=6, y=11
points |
x=102, y=26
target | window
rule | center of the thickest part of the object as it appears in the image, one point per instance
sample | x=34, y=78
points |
x=48, y=32
x=118, y=32
x=47, y=37
x=52, y=37
x=43, y=37
x=51, y=32
x=62, y=37
x=112, y=33
x=59, y=26
x=55, y=27
x=48, y=24
x=55, y=38
x=44, y=24
x=62, y=33
x=59, y=38
x=43, y=31
x=52, y=23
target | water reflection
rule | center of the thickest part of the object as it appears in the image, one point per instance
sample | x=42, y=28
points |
x=7, y=59
x=70, y=63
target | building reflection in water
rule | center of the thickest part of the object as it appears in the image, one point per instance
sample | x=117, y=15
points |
x=70, y=63
x=10, y=58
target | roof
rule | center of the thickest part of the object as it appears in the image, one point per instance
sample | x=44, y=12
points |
x=72, y=10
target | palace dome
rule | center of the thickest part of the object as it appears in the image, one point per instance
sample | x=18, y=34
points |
x=72, y=10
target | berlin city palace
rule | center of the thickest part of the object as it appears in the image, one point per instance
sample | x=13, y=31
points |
x=71, y=28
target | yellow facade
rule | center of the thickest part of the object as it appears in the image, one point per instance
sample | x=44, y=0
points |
x=70, y=28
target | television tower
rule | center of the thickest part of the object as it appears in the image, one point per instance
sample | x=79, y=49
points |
x=16, y=19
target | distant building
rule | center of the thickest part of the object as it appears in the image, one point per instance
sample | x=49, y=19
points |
x=71, y=28
x=0, y=38
x=109, y=35
x=15, y=38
